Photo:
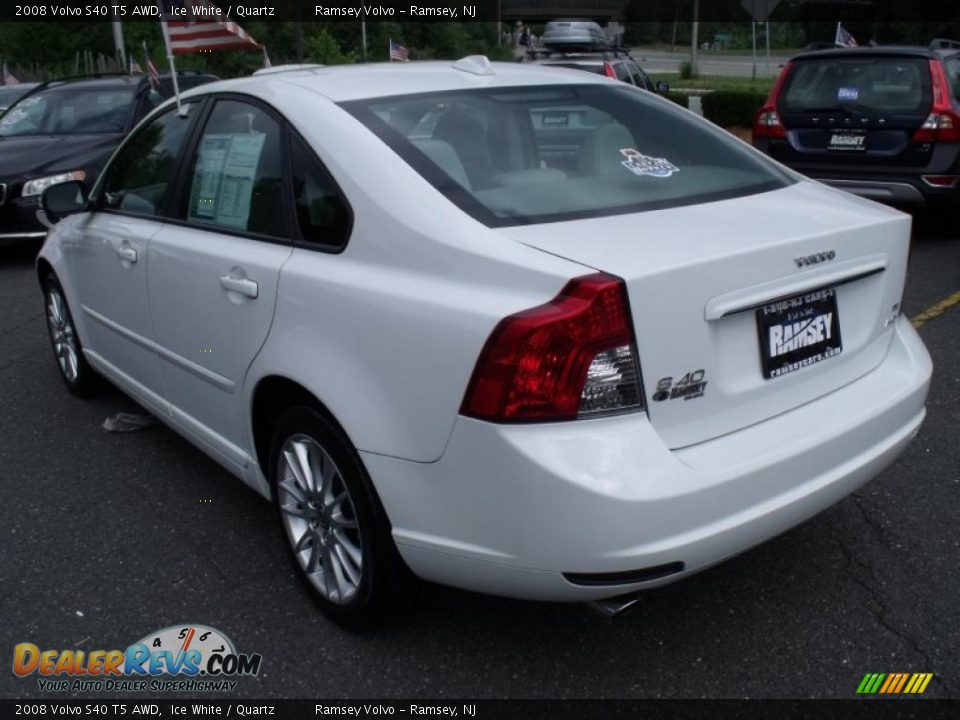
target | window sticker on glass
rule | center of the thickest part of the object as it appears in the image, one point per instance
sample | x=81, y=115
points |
x=224, y=178
x=848, y=94
x=640, y=164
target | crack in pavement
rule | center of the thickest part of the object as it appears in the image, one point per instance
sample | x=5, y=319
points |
x=881, y=613
x=26, y=320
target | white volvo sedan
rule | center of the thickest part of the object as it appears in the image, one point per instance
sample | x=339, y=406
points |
x=515, y=329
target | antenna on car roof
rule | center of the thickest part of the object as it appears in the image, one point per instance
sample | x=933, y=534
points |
x=475, y=65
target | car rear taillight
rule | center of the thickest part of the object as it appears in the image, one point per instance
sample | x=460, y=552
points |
x=766, y=121
x=608, y=70
x=572, y=357
x=943, y=122
x=766, y=124
x=941, y=181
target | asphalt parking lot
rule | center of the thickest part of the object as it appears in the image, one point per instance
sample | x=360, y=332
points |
x=107, y=537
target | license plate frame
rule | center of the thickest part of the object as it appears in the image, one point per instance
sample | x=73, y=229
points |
x=798, y=332
x=847, y=141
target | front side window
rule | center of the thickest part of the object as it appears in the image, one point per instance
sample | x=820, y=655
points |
x=236, y=174
x=512, y=156
x=140, y=174
x=640, y=78
x=622, y=72
x=69, y=111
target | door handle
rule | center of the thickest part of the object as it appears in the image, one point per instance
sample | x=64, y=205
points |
x=244, y=286
x=125, y=252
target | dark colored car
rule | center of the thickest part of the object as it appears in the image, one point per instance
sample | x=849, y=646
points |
x=584, y=45
x=9, y=94
x=880, y=122
x=66, y=130
x=614, y=64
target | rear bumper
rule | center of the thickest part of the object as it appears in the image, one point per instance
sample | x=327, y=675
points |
x=898, y=193
x=509, y=509
x=889, y=184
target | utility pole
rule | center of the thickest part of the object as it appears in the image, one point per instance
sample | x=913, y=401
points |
x=118, y=49
x=694, y=40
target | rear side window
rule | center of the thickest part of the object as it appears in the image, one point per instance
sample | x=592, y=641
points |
x=236, y=175
x=322, y=212
x=864, y=84
x=513, y=156
x=953, y=75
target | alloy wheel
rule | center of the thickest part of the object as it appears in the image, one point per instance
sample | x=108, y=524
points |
x=63, y=335
x=320, y=519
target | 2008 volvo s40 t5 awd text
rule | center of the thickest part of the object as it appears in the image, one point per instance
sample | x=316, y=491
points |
x=515, y=329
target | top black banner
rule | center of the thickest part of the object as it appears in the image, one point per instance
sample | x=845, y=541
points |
x=507, y=11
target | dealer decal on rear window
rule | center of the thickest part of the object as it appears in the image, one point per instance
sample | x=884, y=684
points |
x=640, y=164
x=850, y=94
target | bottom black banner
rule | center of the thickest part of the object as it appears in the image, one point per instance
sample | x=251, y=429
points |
x=872, y=708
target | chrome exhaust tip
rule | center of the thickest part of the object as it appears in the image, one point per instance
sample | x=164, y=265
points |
x=612, y=607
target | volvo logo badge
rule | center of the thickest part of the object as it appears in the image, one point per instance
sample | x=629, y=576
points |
x=815, y=259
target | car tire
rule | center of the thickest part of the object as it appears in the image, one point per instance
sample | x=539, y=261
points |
x=336, y=530
x=81, y=379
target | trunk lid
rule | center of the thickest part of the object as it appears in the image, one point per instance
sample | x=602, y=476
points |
x=698, y=277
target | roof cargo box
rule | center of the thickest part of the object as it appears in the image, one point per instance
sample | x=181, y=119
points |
x=573, y=34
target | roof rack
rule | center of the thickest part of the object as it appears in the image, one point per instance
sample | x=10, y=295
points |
x=608, y=52
x=945, y=44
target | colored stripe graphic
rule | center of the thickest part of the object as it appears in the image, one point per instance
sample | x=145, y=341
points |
x=894, y=683
x=903, y=679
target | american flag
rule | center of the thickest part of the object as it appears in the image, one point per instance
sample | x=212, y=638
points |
x=398, y=52
x=135, y=68
x=8, y=78
x=151, y=68
x=844, y=38
x=204, y=30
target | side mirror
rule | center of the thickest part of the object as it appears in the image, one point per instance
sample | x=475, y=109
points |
x=64, y=199
x=663, y=86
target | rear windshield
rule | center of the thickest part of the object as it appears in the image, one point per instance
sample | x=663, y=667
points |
x=512, y=156
x=68, y=111
x=867, y=84
x=594, y=68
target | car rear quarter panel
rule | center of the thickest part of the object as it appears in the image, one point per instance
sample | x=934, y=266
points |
x=386, y=334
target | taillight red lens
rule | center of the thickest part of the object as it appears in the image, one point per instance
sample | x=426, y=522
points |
x=536, y=363
x=609, y=71
x=766, y=124
x=766, y=121
x=941, y=181
x=943, y=122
